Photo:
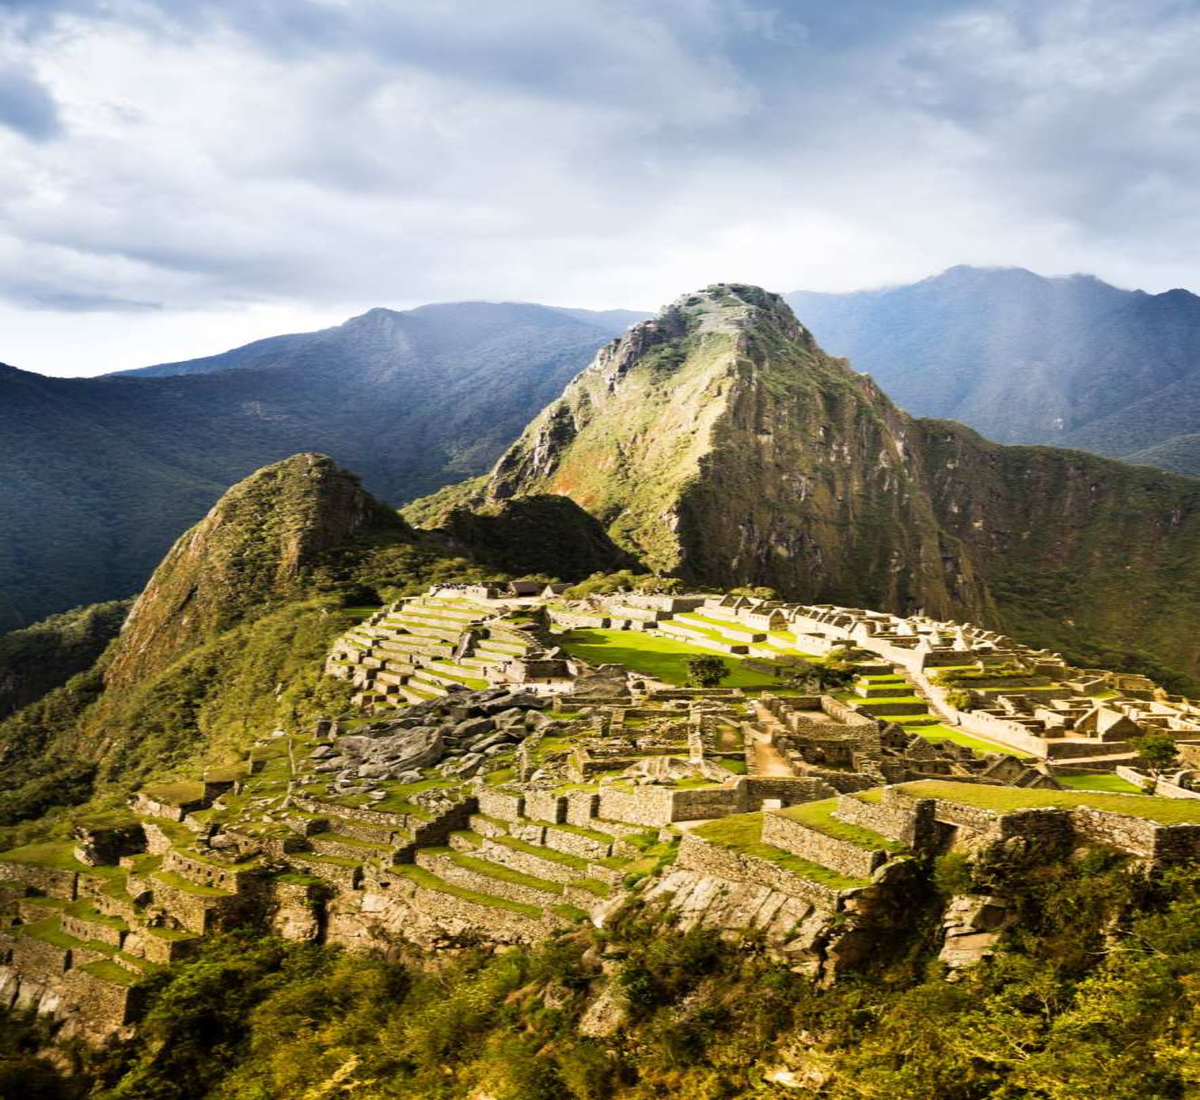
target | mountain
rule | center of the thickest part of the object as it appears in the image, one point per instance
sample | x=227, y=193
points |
x=263, y=541
x=1026, y=359
x=719, y=442
x=99, y=475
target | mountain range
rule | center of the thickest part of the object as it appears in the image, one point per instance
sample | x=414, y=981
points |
x=1071, y=362
x=99, y=475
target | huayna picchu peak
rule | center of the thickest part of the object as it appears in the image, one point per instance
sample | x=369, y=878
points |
x=719, y=443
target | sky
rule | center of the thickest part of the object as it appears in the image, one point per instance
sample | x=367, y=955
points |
x=183, y=176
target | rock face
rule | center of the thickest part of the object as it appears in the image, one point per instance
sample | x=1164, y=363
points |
x=719, y=443
x=261, y=541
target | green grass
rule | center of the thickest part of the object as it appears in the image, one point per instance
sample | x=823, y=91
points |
x=743, y=832
x=49, y=931
x=1098, y=781
x=55, y=854
x=1165, y=811
x=172, y=935
x=565, y=858
x=497, y=871
x=110, y=972
x=819, y=816
x=84, y=910
x=940, y=732
x=174, y=794
x=428, y=881
x=170, y=878
x=663, y=658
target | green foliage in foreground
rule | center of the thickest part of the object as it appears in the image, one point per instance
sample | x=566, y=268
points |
x=1093, y=996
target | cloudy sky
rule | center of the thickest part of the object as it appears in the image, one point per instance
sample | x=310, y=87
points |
x=182, y=176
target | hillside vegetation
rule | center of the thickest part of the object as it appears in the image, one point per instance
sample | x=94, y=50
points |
x=1090, y=995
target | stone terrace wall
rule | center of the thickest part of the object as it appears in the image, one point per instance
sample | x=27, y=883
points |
x=1147, y=839
x=56, y=884
x=829, y=851
x=711, y=859
x=907, y=820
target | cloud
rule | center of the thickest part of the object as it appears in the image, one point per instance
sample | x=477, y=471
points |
x=26, y=106
x=218, y=155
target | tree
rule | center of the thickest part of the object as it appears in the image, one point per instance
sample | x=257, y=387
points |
x=706, y=671
x=759, y=592
x=821, y=677
x=1157, y=752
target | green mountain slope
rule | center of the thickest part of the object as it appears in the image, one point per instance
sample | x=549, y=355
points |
x=721, y=444
x=229, y=637
x=40, y=657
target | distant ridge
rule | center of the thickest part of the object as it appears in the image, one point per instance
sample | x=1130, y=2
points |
x=98, y=476
x=1069, y=361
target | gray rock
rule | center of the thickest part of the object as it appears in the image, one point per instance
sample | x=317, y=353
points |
x=474, y=726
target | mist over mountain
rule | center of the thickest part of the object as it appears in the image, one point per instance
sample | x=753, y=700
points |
x=1070, y=361
x=100, y=475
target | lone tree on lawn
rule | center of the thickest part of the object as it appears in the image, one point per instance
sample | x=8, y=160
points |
x=1157, y=752
x=706, y=672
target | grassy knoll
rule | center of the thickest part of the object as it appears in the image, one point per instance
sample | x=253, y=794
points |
x=661, y=657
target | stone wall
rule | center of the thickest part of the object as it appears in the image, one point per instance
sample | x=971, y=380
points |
x=545, y=806
x=829, y=851
x=506, y=805
x=711, y=859
x=219, y=876
x=910, y=821
x=55, y=883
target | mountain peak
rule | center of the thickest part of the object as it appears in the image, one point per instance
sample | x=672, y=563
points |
x=260, y=541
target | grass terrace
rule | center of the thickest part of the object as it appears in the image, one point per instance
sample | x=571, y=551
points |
x=1165, y=811
x=429, y=881
x=661, y=657
x=175, y=794
x=1098, y=781
x=819, y=816
x=942, y=732
x=743, y=833
x=56, y=855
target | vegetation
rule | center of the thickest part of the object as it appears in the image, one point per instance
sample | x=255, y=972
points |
x=706, y=671
x=625, y=580
x=1091, y=994
x=1157, y=751
x=661, y=657
x=38, y=658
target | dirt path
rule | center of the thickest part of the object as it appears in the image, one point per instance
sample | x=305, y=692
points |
x=768, y=760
